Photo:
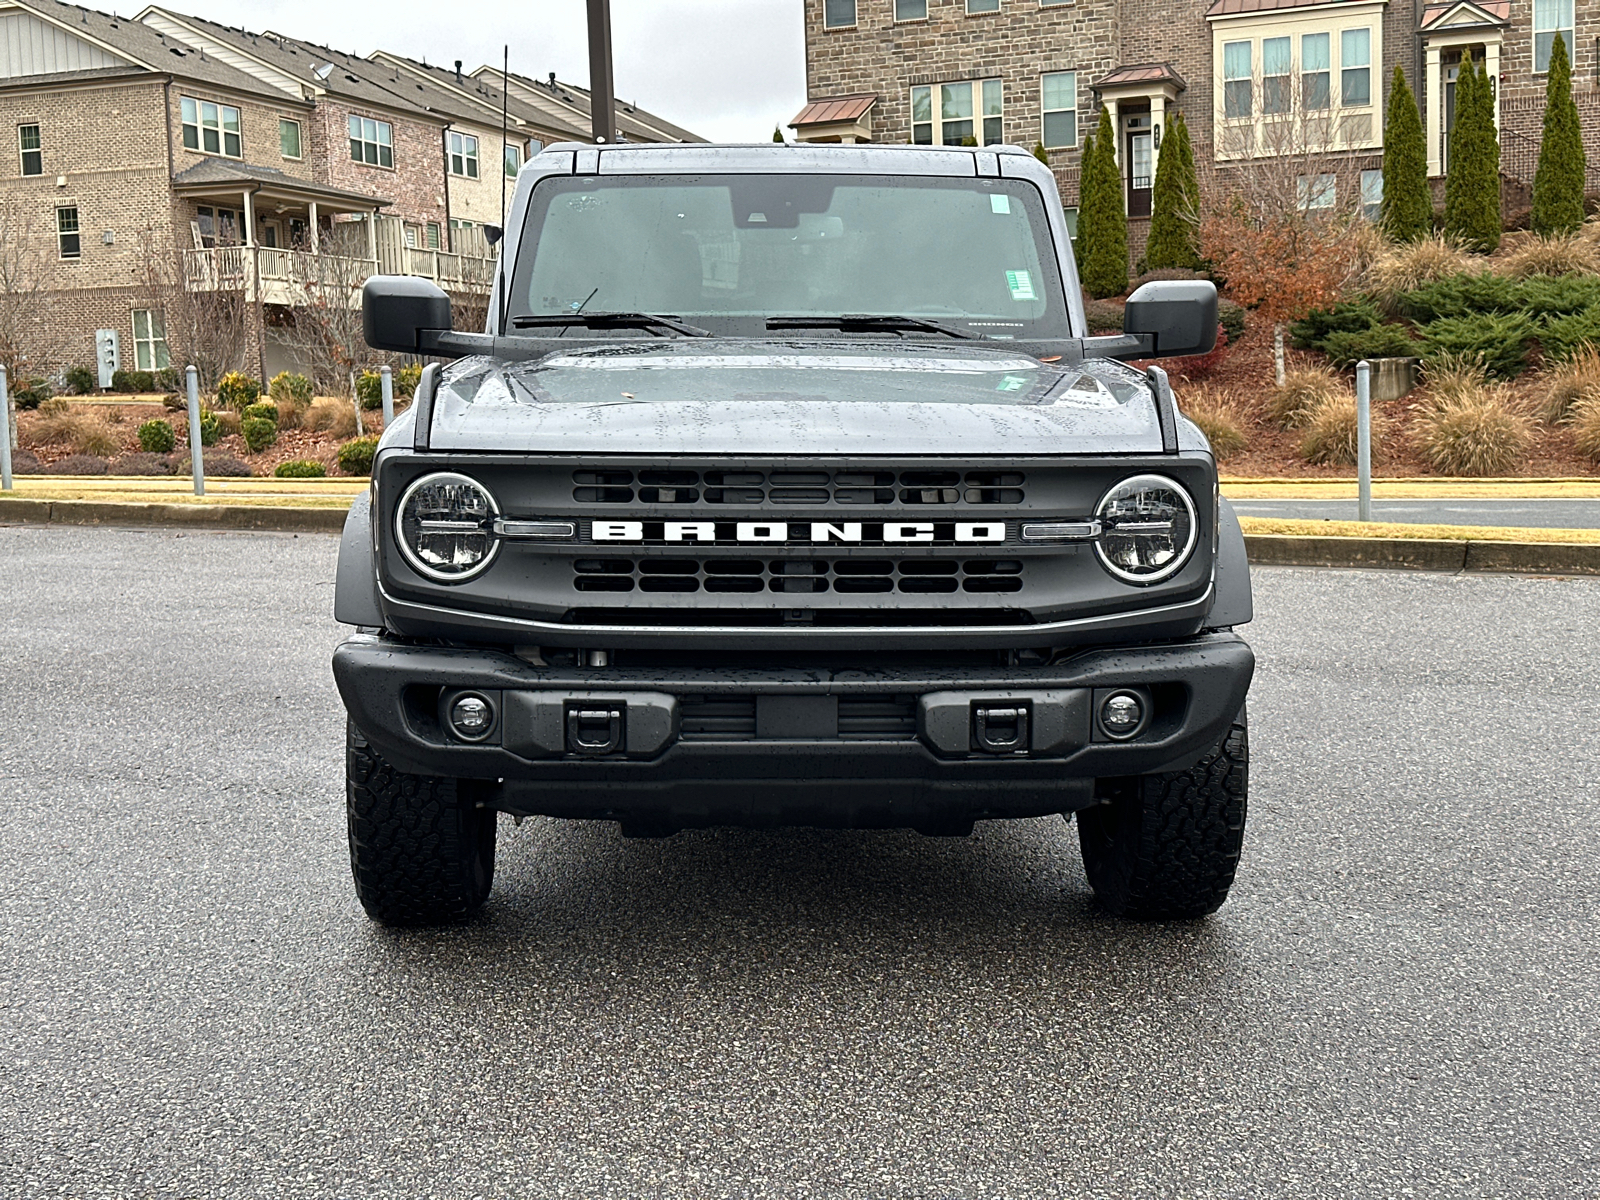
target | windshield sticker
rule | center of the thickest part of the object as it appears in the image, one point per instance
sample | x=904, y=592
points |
x=999, y=203
x=1011, y=383
x=1021, y=285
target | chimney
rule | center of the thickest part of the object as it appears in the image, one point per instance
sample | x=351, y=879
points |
x=458, y=72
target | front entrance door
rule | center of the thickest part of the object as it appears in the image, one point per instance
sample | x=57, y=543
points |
x=1139, y=158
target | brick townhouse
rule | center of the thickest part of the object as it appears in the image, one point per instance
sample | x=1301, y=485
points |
x=250, y=161
x=1256, y=80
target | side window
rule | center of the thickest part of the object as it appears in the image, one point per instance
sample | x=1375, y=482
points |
x=1060, y=101
x=1355, y=62
x=922, y=116
x=1314, y=66
x=982, y=6
x=211, y=128
x=1275, y=68
x=149, y=341
x=31, y=148
x=1236, y=81
x=463, y=155
x=371, y=141
x=289, y=137
x=910, y=10
x=67, y=242
x=1372, y=194
x=838, y=14
x=1550, y=17
x=513, y=159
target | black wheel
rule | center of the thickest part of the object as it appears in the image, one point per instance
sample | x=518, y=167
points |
x=1166, y=846
x=420, y=853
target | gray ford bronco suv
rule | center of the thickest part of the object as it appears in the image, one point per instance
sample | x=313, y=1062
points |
x=786, y=486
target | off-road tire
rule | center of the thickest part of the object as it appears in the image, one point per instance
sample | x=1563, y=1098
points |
x=420, y=853
x=1166, y=846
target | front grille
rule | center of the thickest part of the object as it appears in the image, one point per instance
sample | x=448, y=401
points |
x=799, y=576
x=872, y=718
x=819, y=487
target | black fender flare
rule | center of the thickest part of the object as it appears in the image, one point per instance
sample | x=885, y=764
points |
x=1232, y=603
x=355, y=583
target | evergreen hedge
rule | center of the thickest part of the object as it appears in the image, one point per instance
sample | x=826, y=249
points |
x=1407, y=212
x=1472, y=186
x=1175, y=204
x=1102, y=218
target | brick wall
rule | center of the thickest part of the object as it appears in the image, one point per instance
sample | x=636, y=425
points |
x=416, y=184
x=258, y=119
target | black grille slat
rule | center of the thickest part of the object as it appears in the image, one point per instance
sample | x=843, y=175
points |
x=719, y=719
x=799, y=576
x=874, y=718
x=851, y=486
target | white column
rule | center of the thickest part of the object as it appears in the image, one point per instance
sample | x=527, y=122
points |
x=249, y=219
x=372, y=235
x=1433, y=114
x=1158, y=117
x=316, y=233
x=1491, y=63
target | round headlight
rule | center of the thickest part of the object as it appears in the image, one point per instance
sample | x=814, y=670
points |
x=444, y=529
x=1148, y=529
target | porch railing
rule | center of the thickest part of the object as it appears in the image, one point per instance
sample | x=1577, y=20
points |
x=290, y=277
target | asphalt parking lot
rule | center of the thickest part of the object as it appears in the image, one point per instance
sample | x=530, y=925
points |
x=1401, y=999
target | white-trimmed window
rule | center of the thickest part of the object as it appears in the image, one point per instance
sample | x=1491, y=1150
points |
x=289, y=137
x=1355, y=68
x=1550, y=17
x=1277, y=68
x=463, y=155
x=971, y=109
x=974, y=7
x=149, y=341
x=1315, y=72
x=211, y=128
x=513, y=159
x=1315, y=192
x=1237, y=80
x=31, y=149
x=68, y=244
x=910, y=10
x=1071, y=215
x=838, y=14
x=433, y=235
x=1372, y=194
x=1058, y=93
x=371, y=142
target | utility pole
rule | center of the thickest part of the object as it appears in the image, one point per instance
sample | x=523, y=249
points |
x=602, y=105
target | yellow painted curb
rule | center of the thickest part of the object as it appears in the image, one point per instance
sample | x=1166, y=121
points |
x=1586, y=488
x=1386, y=530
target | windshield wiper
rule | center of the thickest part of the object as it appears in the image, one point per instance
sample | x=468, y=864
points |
x=609, y=320
x=863, y=322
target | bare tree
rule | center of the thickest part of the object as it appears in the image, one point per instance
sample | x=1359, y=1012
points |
x=27, y=341
x=325, y=323
x=203, y=299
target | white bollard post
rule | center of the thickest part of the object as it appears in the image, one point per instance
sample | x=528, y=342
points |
x=197, y=458
x=387, y=378
x=1363, y=441
x=5, y=432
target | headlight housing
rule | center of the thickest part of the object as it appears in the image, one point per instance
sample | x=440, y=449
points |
x=1149, y=529
x=444, y=525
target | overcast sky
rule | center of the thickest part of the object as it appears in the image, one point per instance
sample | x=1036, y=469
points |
x=728, y=70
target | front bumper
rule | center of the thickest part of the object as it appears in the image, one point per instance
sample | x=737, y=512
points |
x=671, y=769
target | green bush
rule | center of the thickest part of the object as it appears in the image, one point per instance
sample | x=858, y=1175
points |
x=1557, y=295
x=1472, y=187
x=406, y=380
x=210, y=428
x=1102, y=244
x=1103, y=316
x=1561, y=337
x=133, y=382
x=264, y=409
x=237, y=391
x=156, y=437
x=1407, y=209
x=300, y=468
x=1175, y=204
x=1460, y=296
x=1501, y=338
x=1231, y=317
x=1348, y=316
x=31, y=393
x=355, y=456
x=81, y=381
x=1347, y=347
x=369, y=389
x=1558, y=180
x=258, y=433
x=288, y=385
x=215, y=463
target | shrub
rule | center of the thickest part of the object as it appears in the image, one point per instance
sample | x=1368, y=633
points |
x=265, y=409
x=1381, y=341
x=1304, y=390
x=1585, y=428
x=25, y=462
x=31, y=393
x=1219, y=417
x=1410, y=265
x=338, y=418
x=1175, y=204
x=1557, y=295
x=156, y=437
x=1407, y=210
x=1501, y=338
x=169, y=379
x=1559, y=254
x=56, y=406
x=1104, y=316
x=132, y=382
x=1573, y=384
x=369, y=389
x=1472, y=187
x=1102, y=215
x=1459, y=296
x=227, y=423
x=210, y=427
x=1348, y=316
x=259, y=433
x=80, y=464
x=1558, y=179
x=1330, y=436
x=1562, y=337
x=289, y=385
x=1478, y=436
x=406, y=380
x=173, y=402
x=81, y=381
x=1231, y=317
x=237, y=391
x=141, y=463
x=300, y=468
x=1451, y=378
x=85, y=434
x=355, y=456
x=215, y=462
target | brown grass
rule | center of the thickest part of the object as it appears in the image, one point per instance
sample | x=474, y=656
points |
x=85, y=434
x=1330, y=433
x=1473, y=435
x=1451, y=378
x=56, y=406
x=228, y=421
x=1303, y=390
x=290, y=411
x=1220, y=416
x=1408, y=265
x=1574, y=382
x=1586, y=428
x=329, y=415
x=1570, y=254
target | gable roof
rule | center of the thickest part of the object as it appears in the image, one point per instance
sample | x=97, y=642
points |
x=474, y=98
x=826, y=110
x=1465, y=14
x=213, y=171
x=1141, y=73
x=569, y=103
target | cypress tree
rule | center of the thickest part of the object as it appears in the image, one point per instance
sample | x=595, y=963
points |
x=1102, y=218
x=1174, y=204
x=1084, y=170
x=777, y=134
x=1558, y=182
x=1472, y=188
x=1407, y=212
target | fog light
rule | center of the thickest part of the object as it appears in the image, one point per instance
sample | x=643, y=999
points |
x=471, y=717
x=1121, y=714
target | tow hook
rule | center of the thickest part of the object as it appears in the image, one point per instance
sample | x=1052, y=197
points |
x=594, y=731
x=1000, y=730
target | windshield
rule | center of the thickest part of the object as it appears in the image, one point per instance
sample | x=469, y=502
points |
x=732, y=252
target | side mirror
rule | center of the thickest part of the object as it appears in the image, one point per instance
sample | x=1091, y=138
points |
x=1179, y=316
x=395, y=309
